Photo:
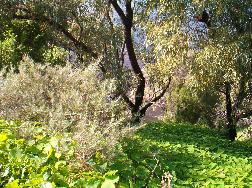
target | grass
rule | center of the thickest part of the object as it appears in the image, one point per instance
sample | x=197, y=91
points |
x=195, y=155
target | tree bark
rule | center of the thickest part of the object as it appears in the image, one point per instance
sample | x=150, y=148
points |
x=127, y=20
x=137, y=108
x=229, y=113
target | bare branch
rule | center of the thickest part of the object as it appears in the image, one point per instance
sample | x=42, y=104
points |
x=143, y=110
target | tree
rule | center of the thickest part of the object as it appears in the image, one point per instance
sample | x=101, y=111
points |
x=224, y=63
x=216, y=59
x=25, y=37
x=90, y=30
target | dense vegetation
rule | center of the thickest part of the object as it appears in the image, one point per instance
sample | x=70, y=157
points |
x=42, y=160
x=77, y=78
x=195, y=155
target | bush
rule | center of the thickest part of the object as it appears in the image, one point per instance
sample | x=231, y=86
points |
x=42, y=160
x=66, y=99
x=195, y=105
x=188, y=107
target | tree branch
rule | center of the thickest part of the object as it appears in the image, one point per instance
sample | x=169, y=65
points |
x=129, y=13
x=143, y=110
x=127, y=21
x=122, y=54
x=127, y=100
x=119, y=10
x=58, y=27
x=244, y=115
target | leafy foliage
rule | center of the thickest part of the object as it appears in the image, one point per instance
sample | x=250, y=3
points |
x=9, y=51
x=43, y=160
x=20, y=38
x=193, y=105
x=212, y=65
x=195, y=155
x=208, y=57
x=66, y=100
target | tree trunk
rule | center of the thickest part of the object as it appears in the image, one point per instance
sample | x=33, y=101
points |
x=137, y=108
x=229, y=113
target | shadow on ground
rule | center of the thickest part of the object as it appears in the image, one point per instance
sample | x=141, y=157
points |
x=196, y=157
x=197, y=135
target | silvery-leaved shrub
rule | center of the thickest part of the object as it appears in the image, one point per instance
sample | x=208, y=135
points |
x=66, y=99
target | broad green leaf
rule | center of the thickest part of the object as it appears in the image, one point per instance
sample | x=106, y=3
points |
x=46, y=185
x=108, y=184
x=54, y=141
x=3, y=136
x=13, y=184
x=48, y=149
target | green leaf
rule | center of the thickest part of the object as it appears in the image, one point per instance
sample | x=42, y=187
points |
x=54, y=141
x=57, y=155
x=108, y=184
x=13, y=184
x=113, y=179
x=3, y=136
x=59, y=163
x=46, y=185
x=48, y=149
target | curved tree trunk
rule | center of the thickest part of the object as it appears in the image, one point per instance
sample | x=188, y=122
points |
x=137, y=108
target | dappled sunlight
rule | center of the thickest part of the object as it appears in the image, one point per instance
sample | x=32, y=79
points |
x=196, y=157
x=197, y=135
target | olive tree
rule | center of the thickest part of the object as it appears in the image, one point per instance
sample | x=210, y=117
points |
x=100, y=31
x=224, y=62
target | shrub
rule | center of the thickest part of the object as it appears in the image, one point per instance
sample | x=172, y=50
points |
x=43, y=160
x=66, y=99
x=195, y=105
x=188, y=108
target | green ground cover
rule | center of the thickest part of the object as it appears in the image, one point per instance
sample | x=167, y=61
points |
x=42, y=160
x=195, y=155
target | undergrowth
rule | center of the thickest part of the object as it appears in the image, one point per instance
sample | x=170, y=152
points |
x=196, y=156
x=45, y=161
